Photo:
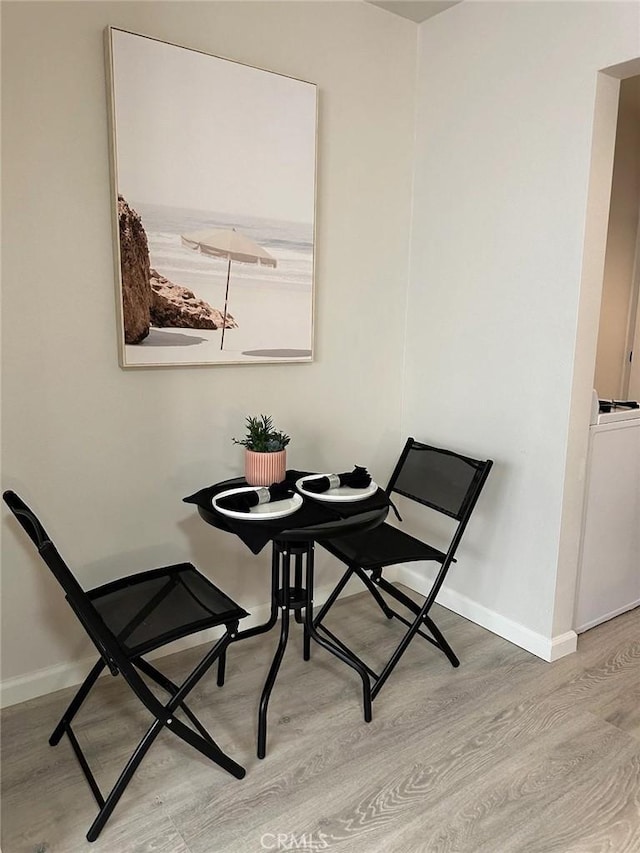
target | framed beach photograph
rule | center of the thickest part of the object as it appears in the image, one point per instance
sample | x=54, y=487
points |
x=214, y=186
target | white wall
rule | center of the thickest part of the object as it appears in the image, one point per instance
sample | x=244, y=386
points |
x=505, y=100
x=505, y=95
x=617, y=287
x=107, y=455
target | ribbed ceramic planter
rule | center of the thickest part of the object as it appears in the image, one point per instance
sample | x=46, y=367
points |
x=263, y=469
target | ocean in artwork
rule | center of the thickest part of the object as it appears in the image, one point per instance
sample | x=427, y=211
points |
x=273, y=307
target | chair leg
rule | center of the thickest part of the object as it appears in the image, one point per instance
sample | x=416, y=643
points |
x=164, y=716
x=370, y=585
x=222, y=664
x=442, y=643
x=172, y=689
x=123, y=780
x=334, y=594
x=401, y=648
x=207, y=747
x=76, y=702
x=203, y=743
x=183, y=732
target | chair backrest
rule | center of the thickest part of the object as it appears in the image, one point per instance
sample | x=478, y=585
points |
x=80, y=603
x=441, y=479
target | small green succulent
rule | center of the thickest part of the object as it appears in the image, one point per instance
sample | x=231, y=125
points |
x=262, y=437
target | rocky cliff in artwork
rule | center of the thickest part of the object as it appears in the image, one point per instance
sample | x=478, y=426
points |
x=150, y=299
x=174, y=305
x=134, y=266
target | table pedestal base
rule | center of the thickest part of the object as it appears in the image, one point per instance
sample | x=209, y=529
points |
x=292, y=592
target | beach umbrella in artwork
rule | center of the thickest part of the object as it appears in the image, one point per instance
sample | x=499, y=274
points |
x=230, y=245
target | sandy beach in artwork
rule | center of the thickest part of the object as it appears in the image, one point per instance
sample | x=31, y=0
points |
x=272, y=307
x=274, y=322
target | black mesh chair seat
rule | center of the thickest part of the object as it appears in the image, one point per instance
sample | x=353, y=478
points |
x=150, y=609
x=442, y=480
x=383, y=546
x=125, y=619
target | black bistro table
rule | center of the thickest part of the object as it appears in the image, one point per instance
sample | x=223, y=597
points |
x=292, y=569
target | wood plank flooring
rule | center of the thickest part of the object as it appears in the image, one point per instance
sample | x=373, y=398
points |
x=506, y=754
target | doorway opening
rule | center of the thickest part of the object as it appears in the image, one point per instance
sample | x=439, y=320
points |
x=594, y=252
x=617, y=376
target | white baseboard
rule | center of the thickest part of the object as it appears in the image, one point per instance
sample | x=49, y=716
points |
x=549, y=649
x=562, y=645
x=43, y=681
x=600, y=619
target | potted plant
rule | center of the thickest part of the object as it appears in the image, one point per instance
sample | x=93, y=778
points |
x=265, y=454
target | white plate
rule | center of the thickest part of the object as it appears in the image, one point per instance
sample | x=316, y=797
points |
x=342, y=493
x=261, y=512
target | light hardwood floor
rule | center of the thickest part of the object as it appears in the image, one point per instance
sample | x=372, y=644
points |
x=506, y=754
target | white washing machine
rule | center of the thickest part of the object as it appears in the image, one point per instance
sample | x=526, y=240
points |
x=609, y=573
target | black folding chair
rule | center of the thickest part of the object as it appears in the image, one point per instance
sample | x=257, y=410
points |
x=442, y=480
x=125, y=620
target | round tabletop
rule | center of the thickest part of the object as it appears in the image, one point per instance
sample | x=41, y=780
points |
x=316, y=520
